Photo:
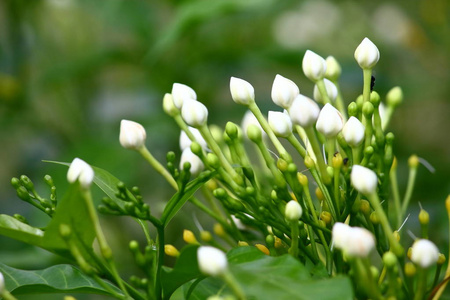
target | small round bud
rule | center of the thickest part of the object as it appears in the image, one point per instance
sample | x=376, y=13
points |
x=26, y=182
x=254, y=133
x=213, y=160
x=410, y=269
x=352, y=109
x=282, y=165
x=375, y=98
x=132, y=135
x=337, y=161
x=389, y=259
x=424, y=253
x=65, y=231
x=205, y=236
x=218, y=230
x=270, y=240
x=194, y=113
x=170, y=250
x=211, y=261
x=394, y=97
x=365, y=207
x=302, y=179
x=189, y=237
x=334, y=69
x=368, y=109
x=413, y=161
x=232, y=130
x=293, y=211
x=23, y=194
x=374, y=218
x=263, y=249
x=424, y=217
x=134, y=246
x=242, y=92
x=367, y=54
x=169, y=106
x=441, y=259
x=242, y=243
x=396, y=235
x=319, y=194
x=326, y=217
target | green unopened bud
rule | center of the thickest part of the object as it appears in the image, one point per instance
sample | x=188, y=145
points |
x=368, y=109
x=220, y=193
x=302, y=179
x=413, y=161
x=365, y=207
x=389, y=259
x=170, y=156
x=394, y=97
x=23, y=194
x=15, y=182
x=441, y=259
x=368, y=151
x=353, y=109
x=270, y=240
x=217, y=133
x=309, y=162
x=319, y=194
x=232, y=130
x=374, y=218
x=292, y=168
x=375, y=99
x=337, y=160
x=282, y=165
x=333, y=69
x=375, y=272
x=410, y=269
x=49, y=180
x=326, y=217
x=26, y=182
x=65, y=231
x=20, y=218
x=359, y=102
x=396, y=235
x=254, y=133
x=196, y=149
x=205, y=236
x=213, y=160
x=390, y=138
x=424, y=217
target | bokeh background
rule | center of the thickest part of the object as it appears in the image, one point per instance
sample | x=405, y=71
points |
x=70, y=70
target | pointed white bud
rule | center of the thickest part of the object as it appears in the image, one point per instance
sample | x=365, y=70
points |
x=181, y=92
x=314, y=66
x=424, y=253
x=168, y=105
x=293, y=211
x=331, y=89
x=250, y=119
x=340, y=234
x=353, y=132
x=242, y=92
x=333, y=69
x=196, y=163
x=367, y=54
x=304, y=111
x=280, y=123
x=194, y=113
x=211, y=261
x=185, y=141
x=284, y=91
x=359, y=243
x=81, y=171
x=364, y=180
x=132, y=135
x=330, y=121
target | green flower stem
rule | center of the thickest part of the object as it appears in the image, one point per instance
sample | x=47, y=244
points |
x=265, y=125
x=107, y=287
x=325, y=192
x=316, y=148
x=313, y=242
x=183, y=126
x=7, y=295
x=104, y=247
x=437, y=274
x=387, y=117
x=302, y=134
x=211, y=201
x=447, y=271
x=367, y=75
x=270, y=163
x=421, y=283
x=368, y=134
x=364, y=278
x=394, y=244
x=204, y=130
x=356, y=153
x=330, y=149
x=323, y=91
x=295, y=232
x=294, y=142
x=160, y=262
x=234, y=285
x=396, y=195
x=340, y=102
x=409, y=189
x=337, y=193
x=145, y=230
x=157, y=166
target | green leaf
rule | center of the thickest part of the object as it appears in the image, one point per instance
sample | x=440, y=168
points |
x=267, y=277
x=186, y=269
x=56, y=279
x=180, y=198
x=13, y=228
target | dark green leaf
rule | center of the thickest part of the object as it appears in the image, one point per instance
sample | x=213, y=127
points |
x=186, y=269
x=17, y=230
x=56, y=279
x=180, y=198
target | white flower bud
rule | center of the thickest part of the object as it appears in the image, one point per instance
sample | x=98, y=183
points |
x=81, y=171
x=367, y=54
x=293, y=211
x=424, y=253
x=181, y=92
x=194, y=113
x=364, y=180
x=331, y=89
x=168, y=105
x=2, y=283
x=340, y=234
x=196, y=163
x=250, y=119
x=242, y=92
x=185, y=141
x=353, y=132
x=211, y=261
x=330, y=121
x=304, y=111
x=333, y=69
x=280, y=123
x=284, y=91
x=314, y=66
x=359, y=243
x=132, y=135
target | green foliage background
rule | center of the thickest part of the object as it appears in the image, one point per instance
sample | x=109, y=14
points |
x=70, y=70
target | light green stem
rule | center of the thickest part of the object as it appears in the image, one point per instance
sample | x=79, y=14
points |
x=7, y=295
x=234, y=285
x=183, y=126
x=294, y=142
x=294, y=239
x=409, y=189
x=421, y=284
x=330, y=150
x=157, y=166
x=323, y=91
x=367, y=74
x=340, y=102
x=396, y=195
x=356, y=153
x=316, y=148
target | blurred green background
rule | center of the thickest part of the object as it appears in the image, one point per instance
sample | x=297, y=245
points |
x=70, y=70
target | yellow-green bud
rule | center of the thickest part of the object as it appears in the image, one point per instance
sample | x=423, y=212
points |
x=365, y=207
x=337, y=160
x=189, y=237
x=232, y=130
x=302, y=179
x=374, y=218
x=389, y=259
x=213, y=160
x=326, y=217
x=282, y=165
x=441, y=259
x=319, y=194
x=205, y=236
x=170, y=250
x=218, y=229
x=413, y=161
x=242, y=243
x=424, y=217
x=375, y=99
x=352, y=109
x=278, y=243
x=367, y=109
x=263, y=249
x=309, y=162
x=394, y=97
x=410, y=269
x=254, y=133
x=396, y=235
x=65, y=231
x=375, y=272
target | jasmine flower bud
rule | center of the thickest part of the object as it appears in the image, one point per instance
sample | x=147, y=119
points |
x=132, y=135
x=185, y=142
x=340, y=234
x=364, y=180
x=395, y=96
x=367, y=54
x=2, y=283
x=181, y=92
x=293, y=211
x=280, y=123
x=331, y=89
x=168, y=105
x=196, y=163
x=284, y=91
x=304, y=111
x=211, y=261
x=194, y=113
x=359, y=243
x=314, y=66
x=81, y=171
x=330, y=121
x=333, y=69
x=353, y=132
x=250, y=119
x=424, y=253
x=242, y=92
